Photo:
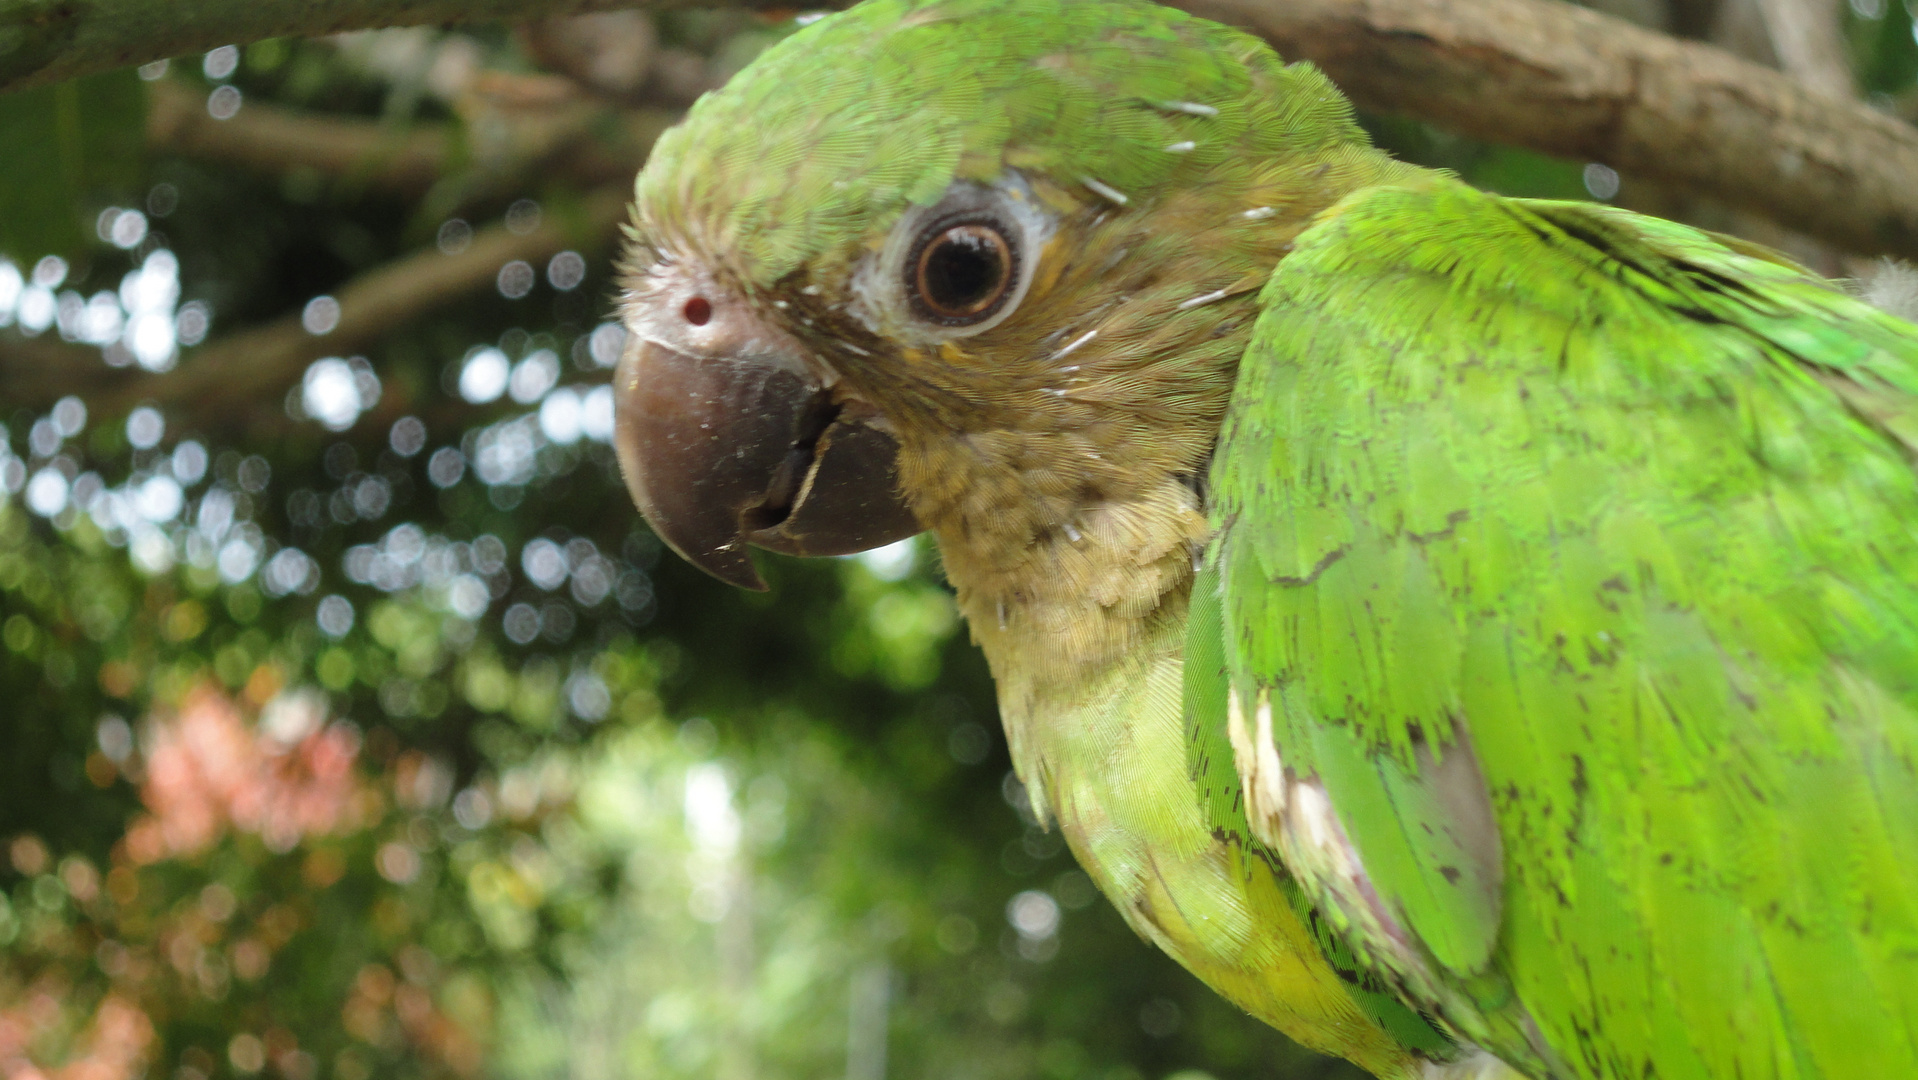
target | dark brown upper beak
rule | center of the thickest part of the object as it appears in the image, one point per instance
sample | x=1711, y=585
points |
x=727, y=452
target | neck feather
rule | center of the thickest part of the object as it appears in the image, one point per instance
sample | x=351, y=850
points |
x=1085, y=598
x=1061, y=460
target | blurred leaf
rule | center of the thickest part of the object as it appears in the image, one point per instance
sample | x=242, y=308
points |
x=73, y=147
x=1887, y=54
x=1525, y=174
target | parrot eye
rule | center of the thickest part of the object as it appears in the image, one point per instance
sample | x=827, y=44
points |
x=956, y=268
x=960, y=273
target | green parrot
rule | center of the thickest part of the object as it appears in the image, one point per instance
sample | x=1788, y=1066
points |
x=1477, y=636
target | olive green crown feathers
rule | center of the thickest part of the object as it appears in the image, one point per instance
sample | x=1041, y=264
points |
x=837, y=130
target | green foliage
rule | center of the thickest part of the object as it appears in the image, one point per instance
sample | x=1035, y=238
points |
x=1504, y=169
x=1885, y=54
x=86, y=137
x=557, y=904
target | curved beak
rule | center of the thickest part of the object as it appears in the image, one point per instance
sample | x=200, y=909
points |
x=727, y=452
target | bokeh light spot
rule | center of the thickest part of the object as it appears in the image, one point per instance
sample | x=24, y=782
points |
x=484, y=376
x=145, y=427
x=566, y=270
x=224, y=102
x=220, y=63
x=334, y=616
x=320, y=316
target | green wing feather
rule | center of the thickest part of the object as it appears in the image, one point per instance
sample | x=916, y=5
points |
x=1620, y=520
x=1209, y=757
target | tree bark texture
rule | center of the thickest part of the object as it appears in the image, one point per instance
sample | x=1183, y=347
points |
x=1572, y=82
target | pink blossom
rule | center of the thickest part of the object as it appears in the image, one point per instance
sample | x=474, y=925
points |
x=209, y=770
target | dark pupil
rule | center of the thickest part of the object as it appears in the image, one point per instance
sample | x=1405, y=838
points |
x=963, y=270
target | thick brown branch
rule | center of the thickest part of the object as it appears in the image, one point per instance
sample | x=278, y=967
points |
x=1575, y=83
x=221, y=386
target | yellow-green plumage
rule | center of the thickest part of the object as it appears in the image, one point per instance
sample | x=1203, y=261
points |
x=1557, y=631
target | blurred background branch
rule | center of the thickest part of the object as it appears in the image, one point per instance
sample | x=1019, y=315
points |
x=1548, y=76
x=51, y=41
x=1805, y=36
x=237, y=382
x=273, y=139
x=530, y=126
x=565, y=135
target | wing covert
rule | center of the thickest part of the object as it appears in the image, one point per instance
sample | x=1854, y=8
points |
x=1620, y=521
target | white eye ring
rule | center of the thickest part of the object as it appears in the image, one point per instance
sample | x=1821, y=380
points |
x=1002, y=218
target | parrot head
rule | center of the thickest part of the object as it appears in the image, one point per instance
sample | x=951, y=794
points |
x=971, y=266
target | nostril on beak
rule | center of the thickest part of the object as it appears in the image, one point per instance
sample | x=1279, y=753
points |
x=698, y=311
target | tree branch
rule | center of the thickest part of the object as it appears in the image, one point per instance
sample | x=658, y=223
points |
x=1578, y=84
x=46, y=41
x=1806, y=35
x=225, y=384
x=1533, y=73
x=270, y=139
x=575, y=141
x=1545, y=75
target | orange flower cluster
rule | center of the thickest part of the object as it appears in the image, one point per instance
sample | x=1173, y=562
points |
x=116, y=1046
x=207, y=770
x=208, y=773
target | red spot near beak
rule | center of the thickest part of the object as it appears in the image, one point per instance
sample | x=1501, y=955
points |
x=698, y=310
